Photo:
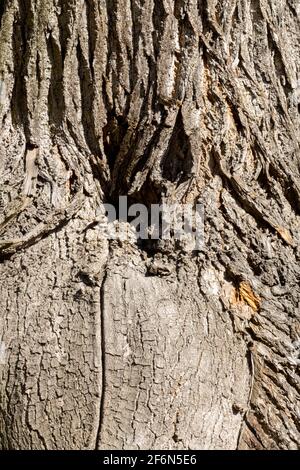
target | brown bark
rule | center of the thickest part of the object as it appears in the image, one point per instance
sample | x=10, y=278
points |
x=186, y=100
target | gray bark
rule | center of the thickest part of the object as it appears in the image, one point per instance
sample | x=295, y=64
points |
x=187, y=100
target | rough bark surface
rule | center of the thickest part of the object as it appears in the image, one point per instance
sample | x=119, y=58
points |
x=119, y=345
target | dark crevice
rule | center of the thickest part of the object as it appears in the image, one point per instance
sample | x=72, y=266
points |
x=261, y=419
x=39, y=76
x=256, y=13
x=3, y=4
x=159, y=16
x=113, y=135
x=267, y=187
x=207, y=24
x=113, y=48
x=238, y=193
x=234, y=108
x=136, y=29
x=56, y=102
x=254, y=433
x=141, y=163
x=279, y=65
x=186, y=41
x=87, y=101
x=256, y=263
x=23, y=31
x=232, y=277
x=249, y=206
x=288, y=186
x=178, y=161
x=92, y=33
x=65, y=24
x=292, y=8
x=241, y=234
x=98, y=167
x=124, y=171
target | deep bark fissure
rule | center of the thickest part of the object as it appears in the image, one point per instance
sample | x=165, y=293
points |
x=103, y=360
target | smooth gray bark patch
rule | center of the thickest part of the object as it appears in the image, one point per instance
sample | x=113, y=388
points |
x=174, y=368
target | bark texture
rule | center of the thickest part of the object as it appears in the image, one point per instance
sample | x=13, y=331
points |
x=119, y=345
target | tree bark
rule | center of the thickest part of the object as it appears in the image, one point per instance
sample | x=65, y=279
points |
x=184, y=100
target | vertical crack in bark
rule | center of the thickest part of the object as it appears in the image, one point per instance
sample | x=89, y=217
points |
x=103, y=362
x=248, y=408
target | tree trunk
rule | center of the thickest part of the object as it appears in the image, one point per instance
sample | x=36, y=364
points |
x=115, y=345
